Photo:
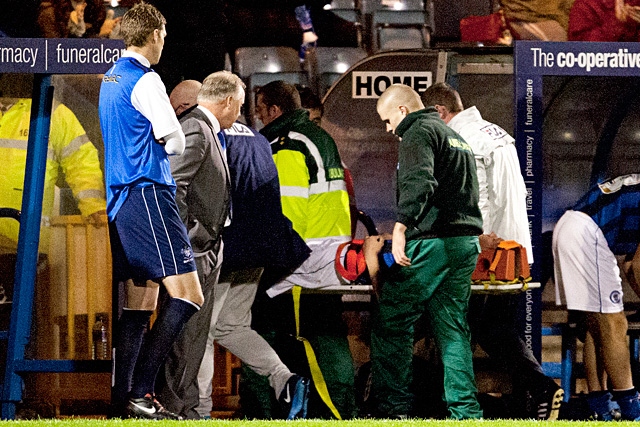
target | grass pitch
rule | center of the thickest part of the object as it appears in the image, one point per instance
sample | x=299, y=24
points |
x=78, y=422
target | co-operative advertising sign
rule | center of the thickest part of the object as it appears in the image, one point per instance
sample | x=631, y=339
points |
x=578, y=58
x=58, y=56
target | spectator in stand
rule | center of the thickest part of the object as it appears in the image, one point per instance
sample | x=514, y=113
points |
x=309, y=36
x=545, y=20
x=75, y=18
x=605, y=21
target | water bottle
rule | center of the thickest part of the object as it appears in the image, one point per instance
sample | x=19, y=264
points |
x=100, y=336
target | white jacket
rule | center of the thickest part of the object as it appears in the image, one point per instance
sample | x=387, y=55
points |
x=503, y=194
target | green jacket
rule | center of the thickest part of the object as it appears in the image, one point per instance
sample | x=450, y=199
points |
x=437, y=185
x=314, y=193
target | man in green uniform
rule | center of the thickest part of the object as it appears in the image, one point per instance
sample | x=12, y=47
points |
x=435, y=241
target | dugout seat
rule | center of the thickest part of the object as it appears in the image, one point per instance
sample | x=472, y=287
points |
x=569, y=369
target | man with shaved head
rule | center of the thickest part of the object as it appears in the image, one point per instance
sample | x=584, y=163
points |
x=184, y=96
x=435, y=241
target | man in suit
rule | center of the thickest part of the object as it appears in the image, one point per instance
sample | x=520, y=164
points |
x=259, y=236
x=203, y=197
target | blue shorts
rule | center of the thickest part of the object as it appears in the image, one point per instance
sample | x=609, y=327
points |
x=148, y=239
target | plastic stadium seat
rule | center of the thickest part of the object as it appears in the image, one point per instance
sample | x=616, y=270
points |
x=349, y=11
x=345, y=9
x=258, y=66
x=268, y=59
x=401, y=29
x=332, y=62
x=402, y=4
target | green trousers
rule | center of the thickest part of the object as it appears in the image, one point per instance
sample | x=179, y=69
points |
x=438, y=284
x=322, y=324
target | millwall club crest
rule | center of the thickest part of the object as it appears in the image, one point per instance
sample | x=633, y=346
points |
x=187, y=254
x=615, y=297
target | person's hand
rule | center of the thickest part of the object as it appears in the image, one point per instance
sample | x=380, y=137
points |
x=633, y=13
x=398, y=244
x=489, y=241
x=620, y=10
x=109, y=24
x=626, y=12
x=96, y=218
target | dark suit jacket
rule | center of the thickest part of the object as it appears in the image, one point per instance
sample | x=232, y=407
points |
x=259, y=234
x=203, y=184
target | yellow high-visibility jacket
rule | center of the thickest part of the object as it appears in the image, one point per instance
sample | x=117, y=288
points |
x=312, y=186
x=70, y=153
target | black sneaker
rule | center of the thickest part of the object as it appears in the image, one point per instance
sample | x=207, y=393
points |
x=149, y=408
x=549, y=404
x=167, y=414
x=294, y=397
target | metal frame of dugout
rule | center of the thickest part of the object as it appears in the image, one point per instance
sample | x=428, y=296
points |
x=41, y=57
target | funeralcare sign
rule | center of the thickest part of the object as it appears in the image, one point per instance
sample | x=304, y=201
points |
x=58, y=56
x=371, y=84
